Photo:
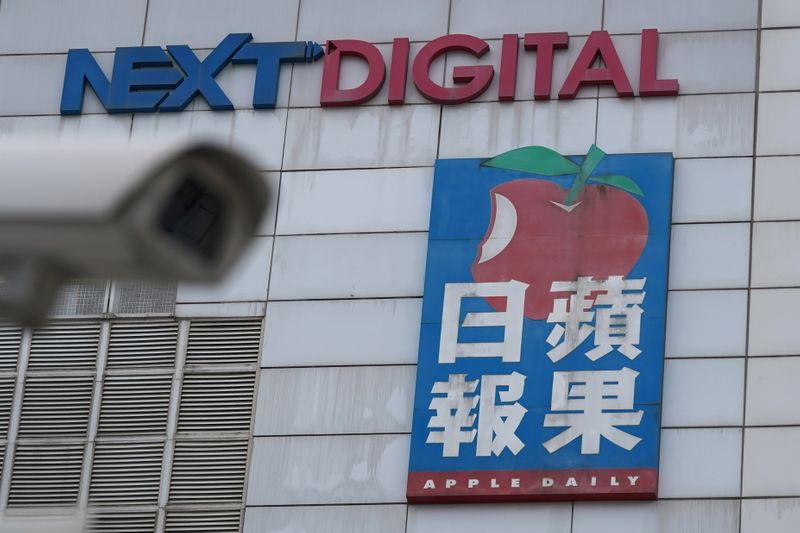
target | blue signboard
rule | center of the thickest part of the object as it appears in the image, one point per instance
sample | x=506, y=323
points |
x=542, y=340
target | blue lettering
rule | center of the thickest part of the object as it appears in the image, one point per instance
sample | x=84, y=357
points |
x=82, y=69
x=140, y=79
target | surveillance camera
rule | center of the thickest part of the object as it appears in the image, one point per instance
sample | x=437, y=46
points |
x=175, y=211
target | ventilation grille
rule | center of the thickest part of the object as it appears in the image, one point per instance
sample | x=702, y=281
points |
x=217, y=402
x=10, y=338
x=6, y=398
x=81, y=298
x=137, y=297
x=224, y=342
x=126, y=473
x=148, y=344
x=135, y=405
x=56, y=406
x=65, y=346
x=46, y=475
x=208, y=472
x=123, y=522
x=222, y=521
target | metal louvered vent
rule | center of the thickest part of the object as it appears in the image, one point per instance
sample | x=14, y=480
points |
x=10, y=338
x=122, y=522
x=56, y=406
x=65, y=346
x=218, y=521
x=81, y=298
x=143, y=343
x=138, y=297
x=224, y=342
x=6, y=398
x=46, y=475
x=126, y=473
x=208, y=472
x=135, y=405
x=220, y=401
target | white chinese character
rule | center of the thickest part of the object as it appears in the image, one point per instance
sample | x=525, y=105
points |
x=576, y=329
x=497, y=423
x=510, y=319
x=619, y=324
x=596, y=400
x=453, y=414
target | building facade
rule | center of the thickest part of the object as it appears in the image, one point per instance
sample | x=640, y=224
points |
x=280, y=400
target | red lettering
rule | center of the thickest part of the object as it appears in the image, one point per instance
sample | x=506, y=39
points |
x=509, y=58
x=649, y=84
x=545, y=45
x=331, y=94
x=398, y=71
x=473, y=80
x=598, y=45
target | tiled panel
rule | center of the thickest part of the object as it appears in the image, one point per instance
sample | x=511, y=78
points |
x=247, y=281
x=306, y=401
x=630, y=16
x=346, y=332
x=773, y=396
x=717, y=453
x=348, y=266
x=700, y=516
x=360, y=137
x=709, y=256
x=481, y=130
x=267, y=225
x=688, y=126
x=343, y=201
x=773, y=515
x=515, y=518
x=778, y=116
x=712, y=190
x=257, y=134
x=777, y=188
x=710, y=62
x=778, y=47
x=204, y=23
x=774, y=315
x=484, y=19
x=36, y=26
x=776, y=254
x=376, y=21
x=326, y=519
x=328, y=470
x=780, y=13
x=220, y=309
x=715, y=384
x=771, y=467
x=84, y=128
x=706, y=323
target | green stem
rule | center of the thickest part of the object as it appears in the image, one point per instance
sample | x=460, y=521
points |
x=590, y=162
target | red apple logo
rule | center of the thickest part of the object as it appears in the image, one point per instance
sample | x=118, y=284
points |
x=540, y=233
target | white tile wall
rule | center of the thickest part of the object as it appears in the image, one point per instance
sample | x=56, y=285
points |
x=485, y=20
x=512, y=518
x=328, y=470
x=716, y=452
x=688, y=126
x=630, y=16
x=778, y=114
x=774, y=515
x=702, y=516
x=482, y=130
x=771, y=467
x=267, y=225
x=348, y=266
x=712, y=190
x=687, y=386
x=306, y=401
x=396, y=199
x=709, y=256
x=346, y=332
x=346, y=19
x=772, y=393
x=84, y=128
x=777, y=185
x=776, y=254
x=773, y=322
x=42, y=26
x=220, y=309
x=326, y=519
x=778, y=47
x=780, y=13
x=362, y=137
x=706, y=323
x=204, y=23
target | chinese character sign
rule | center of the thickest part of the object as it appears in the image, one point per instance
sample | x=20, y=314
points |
x=542, y=340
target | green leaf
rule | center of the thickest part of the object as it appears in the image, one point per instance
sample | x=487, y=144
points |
x=620, y=182
x=534, y=159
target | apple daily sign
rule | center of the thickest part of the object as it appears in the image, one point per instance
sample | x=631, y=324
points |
x=542, y=340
